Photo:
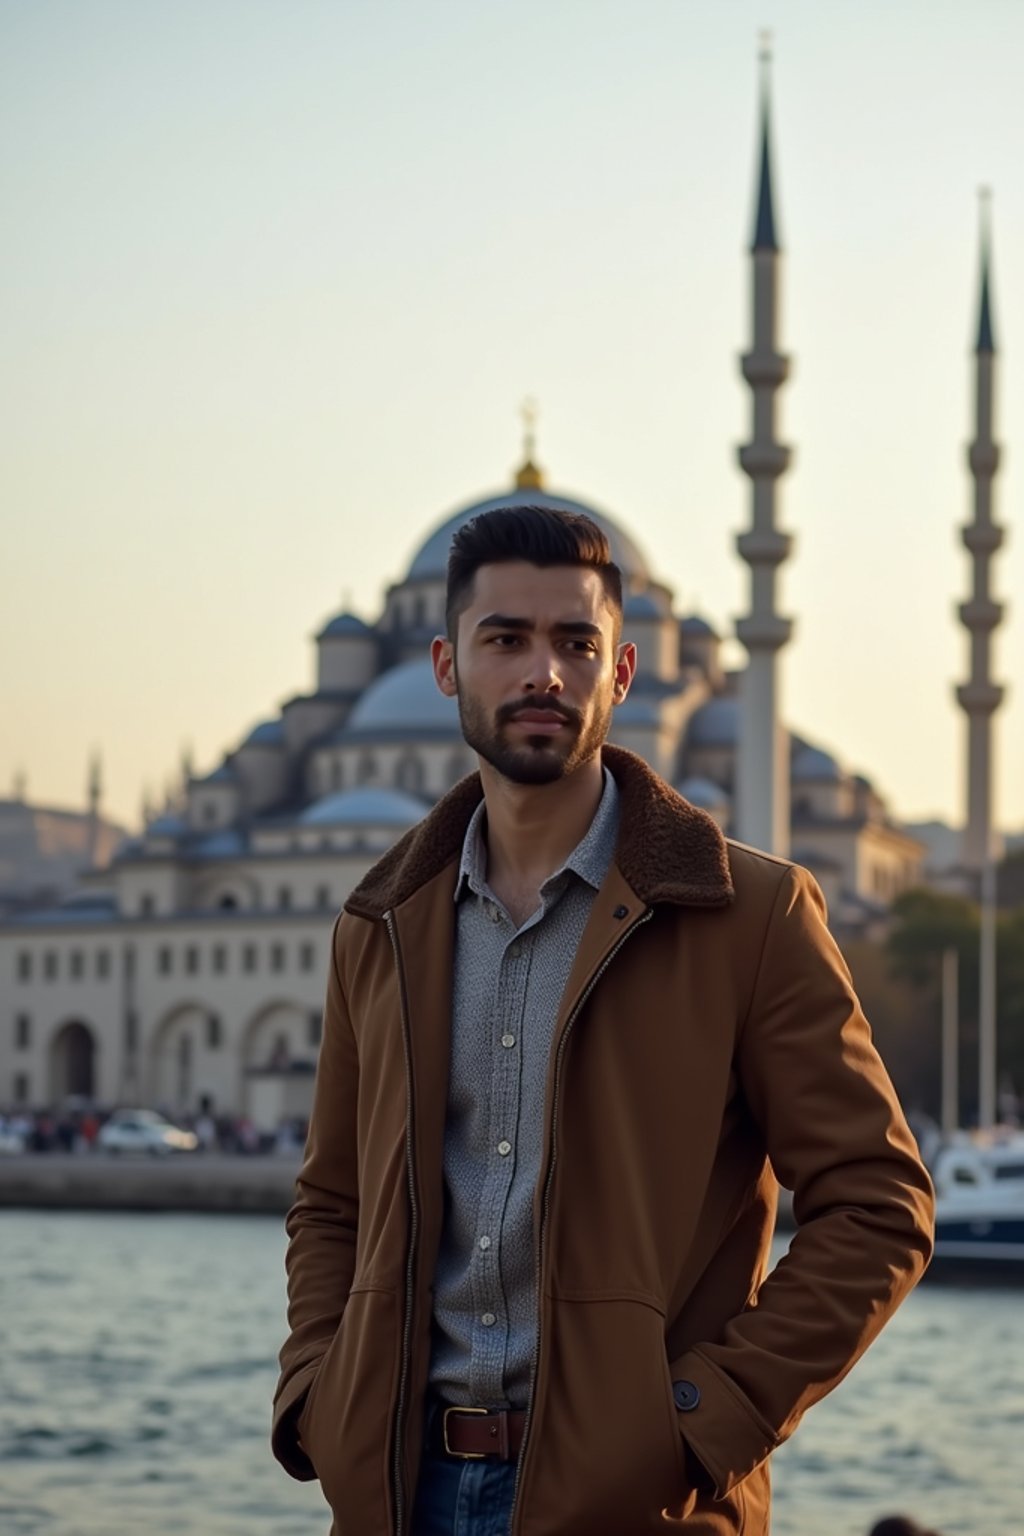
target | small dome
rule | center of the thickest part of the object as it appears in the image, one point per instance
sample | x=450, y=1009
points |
x=226, y=844
x=170, y=824
x=225, y=774
x=704, y=793
x=642, y=605
x=365, y=807
x=716, y=724
x=812, y=764
x=346, y=625
x=268, y=734
x=431, y=561
x=697, y=628
x=405, y=700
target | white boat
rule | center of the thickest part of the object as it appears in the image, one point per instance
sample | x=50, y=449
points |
x=979, y=1209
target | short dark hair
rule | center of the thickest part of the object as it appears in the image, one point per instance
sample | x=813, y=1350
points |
x=541, y=536
x=899, y=1525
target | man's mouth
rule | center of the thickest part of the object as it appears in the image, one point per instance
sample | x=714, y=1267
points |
x=539, y=724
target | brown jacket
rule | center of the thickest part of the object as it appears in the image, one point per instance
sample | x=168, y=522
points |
x=708, y=1041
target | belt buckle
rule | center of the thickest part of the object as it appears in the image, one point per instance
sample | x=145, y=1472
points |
x=462, y=1455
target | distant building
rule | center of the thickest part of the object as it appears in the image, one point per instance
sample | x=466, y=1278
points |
x=45, y=849
x=191, y=970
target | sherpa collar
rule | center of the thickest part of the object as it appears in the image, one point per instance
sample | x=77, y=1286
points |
x=668, y=850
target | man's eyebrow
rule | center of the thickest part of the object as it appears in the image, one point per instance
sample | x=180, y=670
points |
x=563, y=626
x=503, y=621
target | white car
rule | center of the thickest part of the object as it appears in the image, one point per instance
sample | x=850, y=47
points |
x=11, y=1142
x=143, y=1130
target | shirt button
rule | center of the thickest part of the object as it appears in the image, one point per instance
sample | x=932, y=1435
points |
x=485, y=1243
x=504, y=1147
x=493, y=913
x=508, y=1041
x=488, y=1319
x=515, y=950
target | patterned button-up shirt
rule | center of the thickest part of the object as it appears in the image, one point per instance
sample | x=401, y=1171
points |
x=507, y=987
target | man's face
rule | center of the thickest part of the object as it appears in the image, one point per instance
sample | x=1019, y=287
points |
x=536, y=669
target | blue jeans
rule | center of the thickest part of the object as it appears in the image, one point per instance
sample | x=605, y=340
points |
x=463, y=1498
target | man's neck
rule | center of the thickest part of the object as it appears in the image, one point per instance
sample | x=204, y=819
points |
x=533, y=828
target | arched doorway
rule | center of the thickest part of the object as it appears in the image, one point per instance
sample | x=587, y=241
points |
x=279, y=1052
x=73, y=1063
x=176, y=1044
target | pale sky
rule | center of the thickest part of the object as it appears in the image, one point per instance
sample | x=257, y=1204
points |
x=277, y=276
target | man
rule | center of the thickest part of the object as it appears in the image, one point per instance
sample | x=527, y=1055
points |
x=571, y=1038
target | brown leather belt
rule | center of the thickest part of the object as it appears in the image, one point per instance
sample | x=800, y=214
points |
x=470, y=1434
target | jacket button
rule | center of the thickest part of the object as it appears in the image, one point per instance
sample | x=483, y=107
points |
x=686, y=1395
x=620, y=912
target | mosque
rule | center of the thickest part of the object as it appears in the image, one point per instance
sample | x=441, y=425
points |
x=189, y=972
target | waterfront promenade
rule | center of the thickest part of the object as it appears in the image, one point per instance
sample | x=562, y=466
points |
x=200, y=1181
x=225, y=1183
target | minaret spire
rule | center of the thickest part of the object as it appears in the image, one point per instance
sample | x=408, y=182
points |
x=764, y=221
x=762, y=790
x=980, y=696
x=985, y=342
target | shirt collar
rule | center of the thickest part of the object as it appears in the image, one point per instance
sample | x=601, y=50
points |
x=590, y=859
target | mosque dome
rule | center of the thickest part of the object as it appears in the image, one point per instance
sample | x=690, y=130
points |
x=347, y=625
x=693, y=625
x=704, y=793
x=225, y=774
x=642, y=605
x=812, y=764
x=169, y=824
x=365, y=807
x=715, y=724
x=430, y=563
x=270, y=733
x=405, y=701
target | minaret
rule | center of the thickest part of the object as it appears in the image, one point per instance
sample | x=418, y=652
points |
x=762, y=770
x=186, y=772
x=980, y=697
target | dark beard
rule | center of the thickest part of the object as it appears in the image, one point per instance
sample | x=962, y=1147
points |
x=540, y=759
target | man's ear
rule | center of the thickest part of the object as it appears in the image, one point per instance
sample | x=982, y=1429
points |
x=442, y=656
x=625, y=667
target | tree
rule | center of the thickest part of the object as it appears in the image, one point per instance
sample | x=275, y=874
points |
x=925, y=924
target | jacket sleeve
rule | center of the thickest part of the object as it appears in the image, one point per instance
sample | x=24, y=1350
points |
x=322, y=1223
x=863, y=1201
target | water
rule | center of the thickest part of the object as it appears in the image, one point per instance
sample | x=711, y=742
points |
x=137, y=1363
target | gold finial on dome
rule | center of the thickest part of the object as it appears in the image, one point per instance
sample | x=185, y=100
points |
x=529, y=477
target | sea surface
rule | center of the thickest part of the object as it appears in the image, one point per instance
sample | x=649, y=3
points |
x=137, y=1364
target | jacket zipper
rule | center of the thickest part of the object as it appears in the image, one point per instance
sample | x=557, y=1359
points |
x=549, y=1180
x=410, y=1266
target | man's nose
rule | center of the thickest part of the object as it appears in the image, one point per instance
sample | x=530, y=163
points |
x=542, y=673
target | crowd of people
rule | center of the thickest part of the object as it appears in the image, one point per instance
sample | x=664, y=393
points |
x=75, y=1128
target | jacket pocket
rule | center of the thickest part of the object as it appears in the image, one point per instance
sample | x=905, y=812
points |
x=345, y=1423
x=606, y=1452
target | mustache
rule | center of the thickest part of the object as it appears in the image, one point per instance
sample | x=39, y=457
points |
x=540, y=705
